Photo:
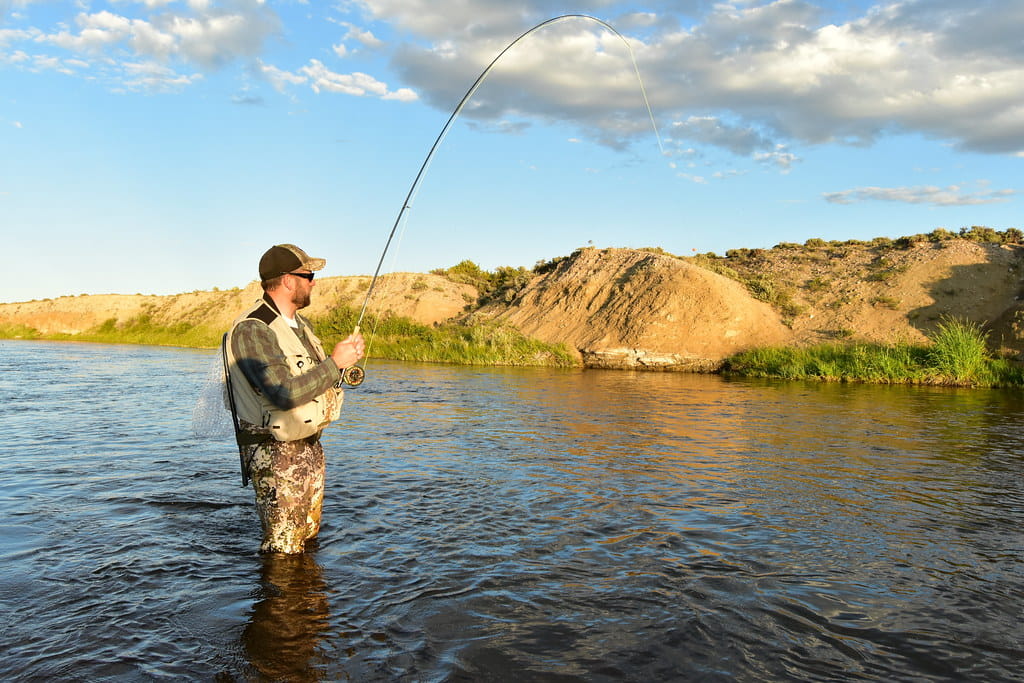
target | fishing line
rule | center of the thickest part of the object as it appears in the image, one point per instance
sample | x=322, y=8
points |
x=355, y=375
x=387, y=284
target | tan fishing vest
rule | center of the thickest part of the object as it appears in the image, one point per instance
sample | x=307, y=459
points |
x=253, y=407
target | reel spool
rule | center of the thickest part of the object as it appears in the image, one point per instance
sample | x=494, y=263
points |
x=353, y=376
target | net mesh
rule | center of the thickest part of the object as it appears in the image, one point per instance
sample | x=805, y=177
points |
x=211, y=417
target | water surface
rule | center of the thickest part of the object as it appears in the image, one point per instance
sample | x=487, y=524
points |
x=512, y=525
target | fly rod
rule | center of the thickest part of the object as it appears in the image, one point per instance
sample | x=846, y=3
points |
x=355, y=375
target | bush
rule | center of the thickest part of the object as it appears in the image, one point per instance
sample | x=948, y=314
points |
x=940, y=235
x=979, y=233
x=465, y=272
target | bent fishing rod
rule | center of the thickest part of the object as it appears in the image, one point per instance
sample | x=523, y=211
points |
x=355, y=375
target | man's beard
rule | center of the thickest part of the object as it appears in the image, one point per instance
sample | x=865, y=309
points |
x=300, y=299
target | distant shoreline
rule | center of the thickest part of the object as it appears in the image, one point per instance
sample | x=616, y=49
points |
x=638, y=309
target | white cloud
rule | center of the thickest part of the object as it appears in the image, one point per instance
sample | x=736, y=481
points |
x=362, y=36
x=757, y=73
x=11, y=35
x=756, y=78
x=278, y=78
x=171, y=37
x=148, y=3
x=155, y=77
x=322, y=79
x=778, y=157
x=402, y=95
x=16, y=57
x=953, y=195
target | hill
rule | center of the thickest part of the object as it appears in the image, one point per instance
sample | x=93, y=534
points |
x=646, y=309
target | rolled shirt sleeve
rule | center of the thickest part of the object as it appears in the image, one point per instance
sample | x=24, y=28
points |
x=261, y=360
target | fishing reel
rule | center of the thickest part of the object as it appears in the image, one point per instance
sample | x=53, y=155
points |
x=353, y=376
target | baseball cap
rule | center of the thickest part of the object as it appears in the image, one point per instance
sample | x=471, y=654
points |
x=284, y=258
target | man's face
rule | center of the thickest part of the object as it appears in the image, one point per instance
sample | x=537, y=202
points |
x=302, y=288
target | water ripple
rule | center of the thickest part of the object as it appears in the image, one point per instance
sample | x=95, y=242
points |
x=513, y=525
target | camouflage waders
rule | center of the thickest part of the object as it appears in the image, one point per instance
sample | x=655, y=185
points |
x=288, y=478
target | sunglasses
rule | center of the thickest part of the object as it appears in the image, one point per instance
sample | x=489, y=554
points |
x=307, y=276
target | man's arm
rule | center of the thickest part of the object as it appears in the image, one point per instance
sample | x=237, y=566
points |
x=260, y=359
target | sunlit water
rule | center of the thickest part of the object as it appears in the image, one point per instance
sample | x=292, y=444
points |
x=513, y=525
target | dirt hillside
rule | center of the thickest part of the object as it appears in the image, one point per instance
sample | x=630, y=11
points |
x=891, y=293
x=425, y=298
x=629, y=308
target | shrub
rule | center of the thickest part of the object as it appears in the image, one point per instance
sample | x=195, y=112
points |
x=542, y=267
x=940, y=235
x=464, y=272
x=910, y=241
x=979, y=233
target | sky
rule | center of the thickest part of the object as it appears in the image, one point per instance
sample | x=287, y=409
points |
x=161, y=146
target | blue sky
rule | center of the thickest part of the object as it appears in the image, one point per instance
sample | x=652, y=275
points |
x=160, y=146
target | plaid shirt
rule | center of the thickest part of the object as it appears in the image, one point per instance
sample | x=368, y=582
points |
x=260, y=358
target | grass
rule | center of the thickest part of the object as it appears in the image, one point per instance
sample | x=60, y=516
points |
x=396, y=338
x=9, y=331
x=957, y=356
x=400, y=338
x=139, y=330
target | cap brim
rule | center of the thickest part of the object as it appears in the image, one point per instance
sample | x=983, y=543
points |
x=314, y=263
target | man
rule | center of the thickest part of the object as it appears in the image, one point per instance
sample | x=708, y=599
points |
x=285, y=390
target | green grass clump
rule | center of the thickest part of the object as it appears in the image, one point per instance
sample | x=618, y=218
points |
x=9, y=331
x=957, y=356
x=833, y=363
x=400, y=338
x=959, y=350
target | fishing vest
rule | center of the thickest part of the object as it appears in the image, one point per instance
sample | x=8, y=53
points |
x=250, y=403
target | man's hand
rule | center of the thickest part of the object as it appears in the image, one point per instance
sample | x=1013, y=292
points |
x=348, y=351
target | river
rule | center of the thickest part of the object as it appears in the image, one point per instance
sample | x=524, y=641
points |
x=512, y=524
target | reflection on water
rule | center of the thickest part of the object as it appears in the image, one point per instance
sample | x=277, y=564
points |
x=290, y=619
x=513, y=524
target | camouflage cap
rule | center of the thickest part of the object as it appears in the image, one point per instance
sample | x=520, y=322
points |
x=284, y=258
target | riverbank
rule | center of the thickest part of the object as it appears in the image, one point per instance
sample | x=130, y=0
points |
x=622, y=308
x=958, y=355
